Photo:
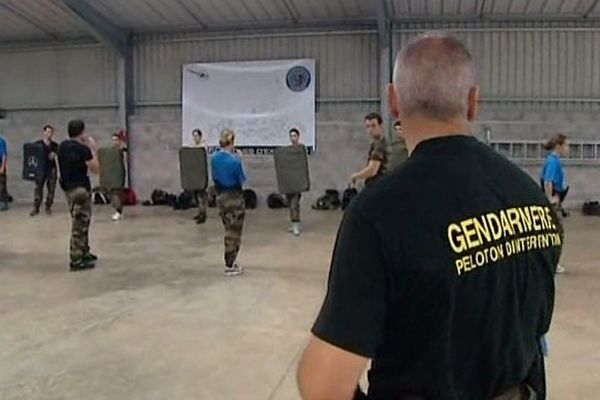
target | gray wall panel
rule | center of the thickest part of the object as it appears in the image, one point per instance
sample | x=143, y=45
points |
x=29, y=78
x=531, y=63
x=347, y=64
x=76, y=75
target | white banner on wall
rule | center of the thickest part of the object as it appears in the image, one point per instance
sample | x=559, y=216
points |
x=260, y=100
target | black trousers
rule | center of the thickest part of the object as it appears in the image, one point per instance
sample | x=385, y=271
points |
x=561, y=195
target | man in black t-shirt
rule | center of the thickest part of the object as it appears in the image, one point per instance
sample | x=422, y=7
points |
x=377, y=157
x=76, y=156
x=443, y=270
x=50, y=174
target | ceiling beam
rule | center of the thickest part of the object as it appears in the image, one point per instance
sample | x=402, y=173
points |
x=100, y=26
x=391, y=9
x=27, y=18
x=192, y=14
x=591, y=9
x=491, y=17
x=481, y=10
x=291, y=11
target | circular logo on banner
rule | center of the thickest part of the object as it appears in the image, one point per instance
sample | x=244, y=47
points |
x=298, y=78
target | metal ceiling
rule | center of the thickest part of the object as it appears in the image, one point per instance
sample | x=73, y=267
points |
x=24, y=20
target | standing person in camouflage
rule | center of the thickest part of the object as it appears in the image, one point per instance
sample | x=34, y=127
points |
x=116, y=195
x=76, y=156
x=378, y=152
x=3, y=162
x=200, y=195
x=294, y=198
x=553, y=180
x=398, y=150
x=50, y=175
x=228, y=176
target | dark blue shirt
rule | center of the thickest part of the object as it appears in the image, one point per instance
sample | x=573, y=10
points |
x=227, y=170
x=553, y=172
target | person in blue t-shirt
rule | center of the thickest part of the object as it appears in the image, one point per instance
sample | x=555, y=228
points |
x=228, y=176
x=553, y=180
x=3, y=161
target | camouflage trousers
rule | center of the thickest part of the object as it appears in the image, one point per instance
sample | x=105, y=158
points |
x=558, y=211
x=3, y=189
x=202, y=200
x=233, y=213
x=50, y=181
x=116, y=199
x=294, y=200
x=80, y=204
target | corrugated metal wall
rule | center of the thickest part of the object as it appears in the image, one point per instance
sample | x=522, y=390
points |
x=531, y=63
x=76, y=75
x=346, y=63
x=526, y=63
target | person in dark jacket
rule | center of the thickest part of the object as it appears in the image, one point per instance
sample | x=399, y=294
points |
x=50, y=175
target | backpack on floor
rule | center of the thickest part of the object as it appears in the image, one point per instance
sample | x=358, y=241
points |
x=100, y=197
x=159, y=198
x=329, y=201
x=184, y=201
x=129, y=197
x=591, y=208
x=276, y=201
x=250, y=199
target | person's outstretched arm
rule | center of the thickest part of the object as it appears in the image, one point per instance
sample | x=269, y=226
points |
x=327, y=372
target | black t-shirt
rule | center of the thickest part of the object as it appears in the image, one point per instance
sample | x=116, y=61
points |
x=72, y=158
x=52, y=147
x=443, y=274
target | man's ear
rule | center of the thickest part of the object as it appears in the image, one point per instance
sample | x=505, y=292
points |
x=473, y=103
x=393, y=101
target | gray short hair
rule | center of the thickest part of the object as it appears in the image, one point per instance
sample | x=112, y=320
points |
x=433, y=75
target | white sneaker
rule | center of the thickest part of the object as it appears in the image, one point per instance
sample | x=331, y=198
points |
x=296, y=229
x=560, y=269
x=234, y=271
x=117, y=216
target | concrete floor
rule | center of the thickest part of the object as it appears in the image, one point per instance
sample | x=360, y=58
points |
x=157, y=320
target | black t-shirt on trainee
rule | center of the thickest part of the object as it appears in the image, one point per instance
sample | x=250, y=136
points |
x=72, y=158
x=443, y=275
x=52, y=147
